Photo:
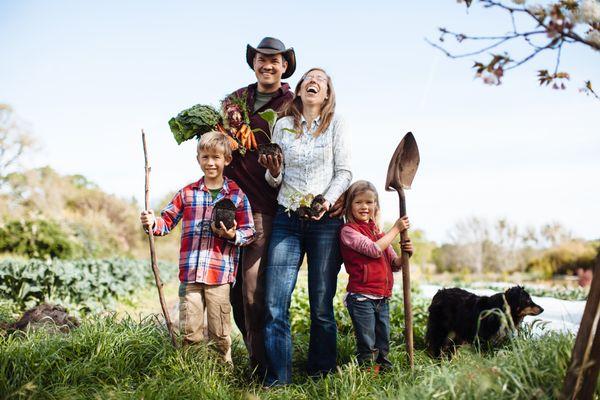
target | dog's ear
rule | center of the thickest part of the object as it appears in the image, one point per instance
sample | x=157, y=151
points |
x=513, y=296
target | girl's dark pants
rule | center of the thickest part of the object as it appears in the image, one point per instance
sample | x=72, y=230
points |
x=371, y=320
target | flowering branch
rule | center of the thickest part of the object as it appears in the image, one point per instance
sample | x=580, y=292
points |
x=559, y=23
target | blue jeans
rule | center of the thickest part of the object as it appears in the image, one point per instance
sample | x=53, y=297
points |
x=371, y=320
x=291, y=238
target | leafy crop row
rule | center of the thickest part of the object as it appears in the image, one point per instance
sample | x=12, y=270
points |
x=86, y=285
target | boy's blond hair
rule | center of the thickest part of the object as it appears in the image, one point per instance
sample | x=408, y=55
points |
x=214, y=140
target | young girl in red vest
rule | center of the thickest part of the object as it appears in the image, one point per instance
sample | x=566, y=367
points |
x=369, y=260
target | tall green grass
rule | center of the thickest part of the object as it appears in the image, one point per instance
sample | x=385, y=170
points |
x=107, y=358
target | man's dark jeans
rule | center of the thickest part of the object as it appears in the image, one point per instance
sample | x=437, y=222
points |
x=291, y=238
x=371, y=320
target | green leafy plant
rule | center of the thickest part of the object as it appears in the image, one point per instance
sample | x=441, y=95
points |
x=194, y=121
x=84, y=285
x=36, y=238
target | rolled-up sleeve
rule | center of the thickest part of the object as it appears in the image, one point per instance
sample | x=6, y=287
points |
x=342, y=174
x=275, y=138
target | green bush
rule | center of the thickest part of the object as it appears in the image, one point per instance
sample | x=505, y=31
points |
x=565, y=258
x=36, y=239
x=85, y=285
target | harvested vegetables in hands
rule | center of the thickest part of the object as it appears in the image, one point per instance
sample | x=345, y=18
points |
x=194, y=121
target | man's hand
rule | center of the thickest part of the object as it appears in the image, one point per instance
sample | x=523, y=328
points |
x=223, y=232
x=272, y=163
x=147, y=219
x=337, y=209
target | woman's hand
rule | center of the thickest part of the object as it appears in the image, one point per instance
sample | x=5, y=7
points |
x=337, y=209
x=326, y=206
x=272, y=163
x=223, y=232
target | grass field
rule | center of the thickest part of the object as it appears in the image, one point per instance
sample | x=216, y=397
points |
x=116, y=357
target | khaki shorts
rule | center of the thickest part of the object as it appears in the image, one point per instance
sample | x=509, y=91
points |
x=194, y=299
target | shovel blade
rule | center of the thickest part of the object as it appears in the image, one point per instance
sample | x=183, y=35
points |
x=403, y=165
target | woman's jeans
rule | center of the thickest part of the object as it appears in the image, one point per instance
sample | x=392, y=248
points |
x=371, y=320
x=291, y=238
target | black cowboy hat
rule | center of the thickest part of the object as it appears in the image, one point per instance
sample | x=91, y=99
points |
x=271, y=45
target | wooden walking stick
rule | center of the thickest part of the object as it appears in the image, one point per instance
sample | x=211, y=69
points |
x=159, y=284
x=401, y=172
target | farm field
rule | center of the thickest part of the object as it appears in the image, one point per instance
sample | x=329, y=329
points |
x=127, y=354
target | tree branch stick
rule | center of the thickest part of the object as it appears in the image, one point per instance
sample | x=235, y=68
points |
x=156, y=272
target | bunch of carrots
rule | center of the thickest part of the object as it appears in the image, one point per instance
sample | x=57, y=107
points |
x=244, y=135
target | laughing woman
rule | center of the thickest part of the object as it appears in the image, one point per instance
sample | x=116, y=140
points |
x=316, y=160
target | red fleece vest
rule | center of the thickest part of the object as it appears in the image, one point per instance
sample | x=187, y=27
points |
x=367, y=275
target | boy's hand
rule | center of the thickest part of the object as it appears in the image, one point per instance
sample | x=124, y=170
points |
x=272, y=163
x=223, y=232
x=147, y=219
x=402, y=223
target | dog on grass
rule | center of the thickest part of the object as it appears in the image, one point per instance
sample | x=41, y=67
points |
x=457, y=317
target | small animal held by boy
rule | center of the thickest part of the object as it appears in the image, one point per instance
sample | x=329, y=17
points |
x=457, y=316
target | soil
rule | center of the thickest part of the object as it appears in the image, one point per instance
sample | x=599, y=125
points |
x=269, y=149
x=49, y=316
x=224, y=211
x=316, y=206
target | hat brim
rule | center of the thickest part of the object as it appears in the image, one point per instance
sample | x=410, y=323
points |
x=289, y=55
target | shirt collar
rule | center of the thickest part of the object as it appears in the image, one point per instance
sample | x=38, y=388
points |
x=317, y=121
x=201, y=186
x=283, y=89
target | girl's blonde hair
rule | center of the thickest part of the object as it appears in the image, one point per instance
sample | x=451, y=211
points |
x=294, y=109
x=214, y=140
x=354, y=190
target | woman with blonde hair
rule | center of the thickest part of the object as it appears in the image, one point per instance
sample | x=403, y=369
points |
x=316, y=161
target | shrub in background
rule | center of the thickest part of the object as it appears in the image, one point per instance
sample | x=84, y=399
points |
x=37, y=239
x=565, y=258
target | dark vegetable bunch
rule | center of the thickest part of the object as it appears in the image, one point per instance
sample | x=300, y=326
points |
x=194, y=121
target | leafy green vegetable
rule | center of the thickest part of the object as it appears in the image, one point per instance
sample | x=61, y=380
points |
x=270, y=116
x=88, y=285
x=194, y=121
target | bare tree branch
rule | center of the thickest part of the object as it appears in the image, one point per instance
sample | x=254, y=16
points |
x=557, y=22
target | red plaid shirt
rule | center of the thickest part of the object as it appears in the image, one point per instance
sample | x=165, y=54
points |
x=203, y=256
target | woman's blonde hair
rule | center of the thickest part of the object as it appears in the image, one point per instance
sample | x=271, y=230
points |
x=294, y=109
x=354, y=190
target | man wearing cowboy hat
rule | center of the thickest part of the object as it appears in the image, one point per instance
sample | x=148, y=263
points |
x=271, y=61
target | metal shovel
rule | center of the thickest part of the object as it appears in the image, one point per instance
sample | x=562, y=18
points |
x=401, y=171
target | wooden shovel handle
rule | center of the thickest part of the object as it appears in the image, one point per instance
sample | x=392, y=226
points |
x=408, y=320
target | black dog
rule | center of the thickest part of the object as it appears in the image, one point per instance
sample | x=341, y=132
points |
x=454, y=314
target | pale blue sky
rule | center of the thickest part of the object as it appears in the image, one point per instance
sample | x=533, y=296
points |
x=89, y=75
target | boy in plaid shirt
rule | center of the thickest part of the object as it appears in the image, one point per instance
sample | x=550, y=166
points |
x=209, y=254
